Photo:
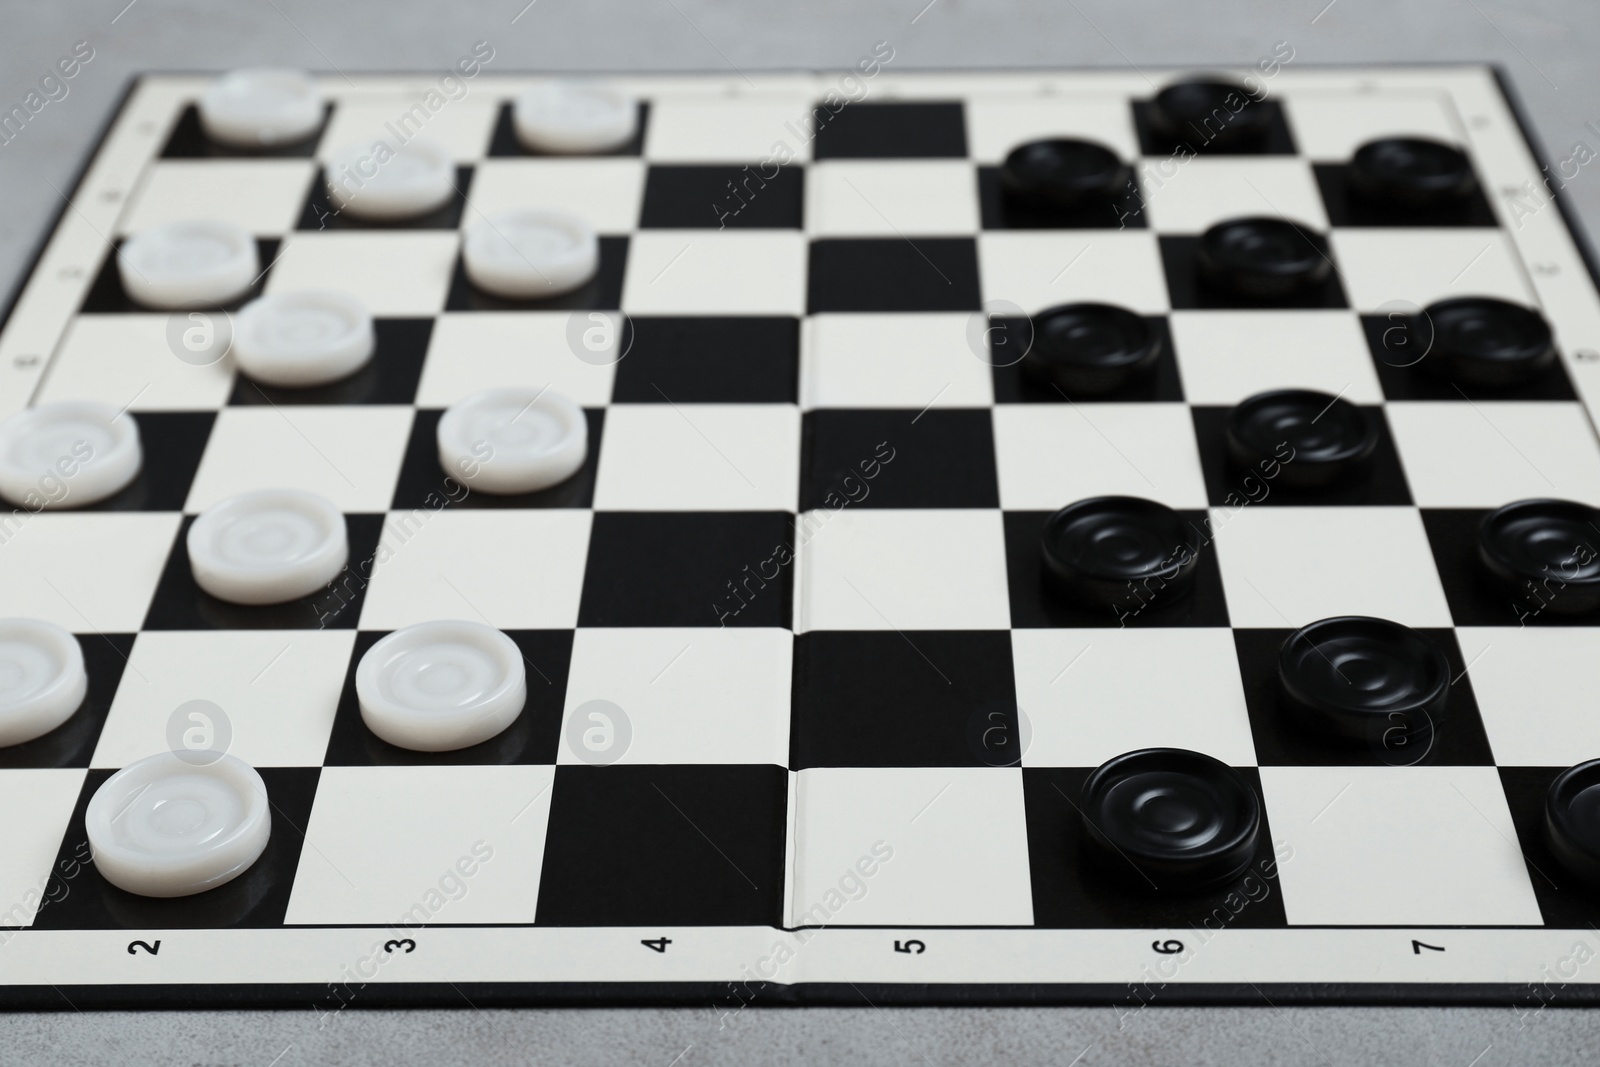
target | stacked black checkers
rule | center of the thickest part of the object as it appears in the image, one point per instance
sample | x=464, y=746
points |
x=1060, y=174
x=1209, y=112
x=1182, y=820
x=1110, y=550
x=1572, y=821
x=1545, y=553
x=1359, y=680
x=1090, y=349
x=1261, y=258
x=1411, y=172
x=1313, y=438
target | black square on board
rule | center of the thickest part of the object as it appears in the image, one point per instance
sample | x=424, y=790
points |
x=893, y=274
x=180, y=604
x=682, y=568
x=690, y=359
x=1276, y=140
x=878, y=698
x=718, y=197
x=1033, y=605
x=72, y=744
x=1474, y=598
x=320, y=212
x=401, y=347
x=503, y=143
x=1011, y=386
x=1459, y=738
x=660, y=845
x=1564, y=901
x=920, y=130
x=426, y=486
x=602, y=293
x=77, y=898
x=189, y=141
x=939, y=458
x=106, y=294
x=532, y=738
x=173, y=442
x=1401, y=361
x=1189, y=293
x=1379, y=482
x=1122, y=212
x=1348, y=210
x=1076, y=885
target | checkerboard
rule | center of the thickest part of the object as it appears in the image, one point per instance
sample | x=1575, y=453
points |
x=802, y=560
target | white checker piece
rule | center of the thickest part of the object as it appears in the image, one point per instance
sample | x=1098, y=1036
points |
x=1225, y=356
x=889, y=360
x=1090, y=695
x=278, y=689
x=1382, y=846
x=1483, y=455
x=479, y=565
x=699, y=457
x=957, y=835
x=462, y=844
x=1284, y=567
x=901, y=569
x=695, y=695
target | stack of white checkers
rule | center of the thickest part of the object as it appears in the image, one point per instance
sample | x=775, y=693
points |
x=179, y=823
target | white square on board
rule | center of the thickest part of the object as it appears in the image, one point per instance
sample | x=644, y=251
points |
x=996, y=126
x=749, y=128
x=462, y=125
x=715, y=272
x=1465, y=454
x=1332, y=124
x=945, y=847
x=891, y=198
x=606, y=193
x=90, y=572
x=902, y=569
x=699, y=457
x=1090, y=695
x=264, y=196
x=1225, y=356
x=890, y=360
x=396, y=274
x=1039, y=270
x=700, y=695
x=413, y=845
x=1202, y=192
x=277, y=689
x=1535, y=688
x=1284, y=567
x=475, y=350
x=29, y=846
x=1050, y=455
x=125, y=361
x=1397, y=846
x=351, y=455
x=1419, y=266
x=515, y=569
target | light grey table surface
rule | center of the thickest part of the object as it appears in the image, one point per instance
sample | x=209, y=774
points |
x=1548, y=48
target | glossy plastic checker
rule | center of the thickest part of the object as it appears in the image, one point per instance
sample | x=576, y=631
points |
x=802, y=561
